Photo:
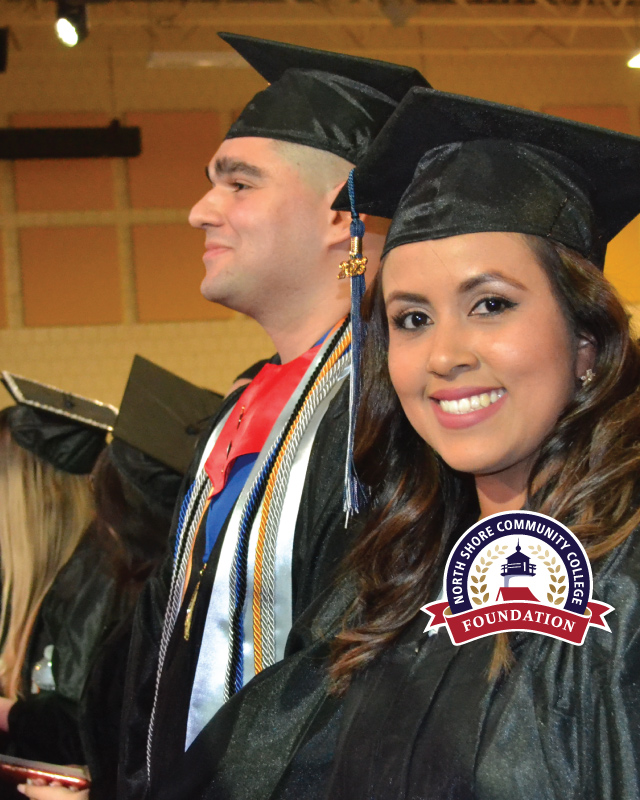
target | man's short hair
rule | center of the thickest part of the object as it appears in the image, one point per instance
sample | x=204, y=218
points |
x=320, y=169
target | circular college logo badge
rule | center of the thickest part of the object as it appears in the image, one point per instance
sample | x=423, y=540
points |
x=518, y=571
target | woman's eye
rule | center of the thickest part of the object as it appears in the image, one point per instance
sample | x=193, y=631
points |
x=492, y=305
x=411, y=321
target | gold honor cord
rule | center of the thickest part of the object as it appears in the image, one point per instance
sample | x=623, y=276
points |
x=194, y=596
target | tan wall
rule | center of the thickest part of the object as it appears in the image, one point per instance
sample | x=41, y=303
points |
x=95, y=361
x=97, y=261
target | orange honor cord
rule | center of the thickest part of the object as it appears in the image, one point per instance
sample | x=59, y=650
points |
x=259, y=559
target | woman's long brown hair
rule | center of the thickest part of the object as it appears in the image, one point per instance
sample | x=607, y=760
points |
x=132, y=529
x=587, y=474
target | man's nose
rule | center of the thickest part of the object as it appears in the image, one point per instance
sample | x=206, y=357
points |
x=207, y=211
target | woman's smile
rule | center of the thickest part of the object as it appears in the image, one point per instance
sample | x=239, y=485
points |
x=470, y=408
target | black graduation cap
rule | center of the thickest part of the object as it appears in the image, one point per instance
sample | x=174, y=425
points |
x=64, y=429
x=162, y=415
x=330, y=101
x=447, y=164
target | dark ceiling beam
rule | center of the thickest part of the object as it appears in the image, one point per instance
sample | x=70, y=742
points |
x=114, y=141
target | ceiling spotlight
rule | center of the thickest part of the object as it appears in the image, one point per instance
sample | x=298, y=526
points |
x=634, y=62
x=71, y=22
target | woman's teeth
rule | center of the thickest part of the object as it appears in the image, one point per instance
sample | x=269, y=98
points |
x=473, y=403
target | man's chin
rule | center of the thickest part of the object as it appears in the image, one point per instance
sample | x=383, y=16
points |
x=212, y=285
x=213, y=297
x=218, y=279
x=215, y=292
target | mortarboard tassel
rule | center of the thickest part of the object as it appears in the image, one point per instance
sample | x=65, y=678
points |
x=354, y=269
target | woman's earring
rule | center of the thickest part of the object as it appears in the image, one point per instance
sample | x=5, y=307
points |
x=588, y=377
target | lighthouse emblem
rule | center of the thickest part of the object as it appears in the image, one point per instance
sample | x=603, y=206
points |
x=518, y=571
x=517, y=564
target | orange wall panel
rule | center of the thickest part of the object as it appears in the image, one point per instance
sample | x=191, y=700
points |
x=176, y=147
x=169, y=270
x=74, y=184
x=70, y=276
x=614, y=117
x=622, y=264
x=3, y=299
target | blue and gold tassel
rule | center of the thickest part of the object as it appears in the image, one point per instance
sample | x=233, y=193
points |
x=354, y=269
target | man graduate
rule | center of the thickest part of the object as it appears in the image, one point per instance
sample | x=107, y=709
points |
x=261, y=527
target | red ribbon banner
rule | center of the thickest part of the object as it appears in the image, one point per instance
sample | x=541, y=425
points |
x=517, y=616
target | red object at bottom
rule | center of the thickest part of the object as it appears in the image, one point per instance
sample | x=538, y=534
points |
x=20, y=770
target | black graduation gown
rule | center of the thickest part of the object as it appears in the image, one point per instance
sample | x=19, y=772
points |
x=427, y=723
x=251, y=741
x=101, y=710
x=77, y=613
x=320, y=543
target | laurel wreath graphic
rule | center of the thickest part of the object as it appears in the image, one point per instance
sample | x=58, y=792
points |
x=557, y=587
x=480, y=595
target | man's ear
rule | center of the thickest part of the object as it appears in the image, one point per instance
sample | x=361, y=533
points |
x=339, y=222
x=339, y=227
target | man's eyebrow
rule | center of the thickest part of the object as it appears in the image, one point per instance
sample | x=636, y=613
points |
x=231, y=166
x=488, y=277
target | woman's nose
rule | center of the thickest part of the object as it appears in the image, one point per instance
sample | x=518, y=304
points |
x=451, y=349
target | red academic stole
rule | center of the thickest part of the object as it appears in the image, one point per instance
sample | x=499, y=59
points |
x=254, y=415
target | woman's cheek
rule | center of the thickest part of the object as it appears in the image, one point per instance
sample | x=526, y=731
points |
x=403, y=371
x=406, y=355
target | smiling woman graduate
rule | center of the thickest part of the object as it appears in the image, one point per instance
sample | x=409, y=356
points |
x=499, y=374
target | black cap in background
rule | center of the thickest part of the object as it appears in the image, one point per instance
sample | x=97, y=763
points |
x=66, y=430
x=163, y=415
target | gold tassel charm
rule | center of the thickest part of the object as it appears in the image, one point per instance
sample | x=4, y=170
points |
x=192, y=604
x=357, y=263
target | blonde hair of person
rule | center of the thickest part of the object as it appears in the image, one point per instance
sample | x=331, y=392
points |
x=43, y=514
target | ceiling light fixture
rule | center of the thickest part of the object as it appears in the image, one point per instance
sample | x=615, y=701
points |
x=71, y=22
